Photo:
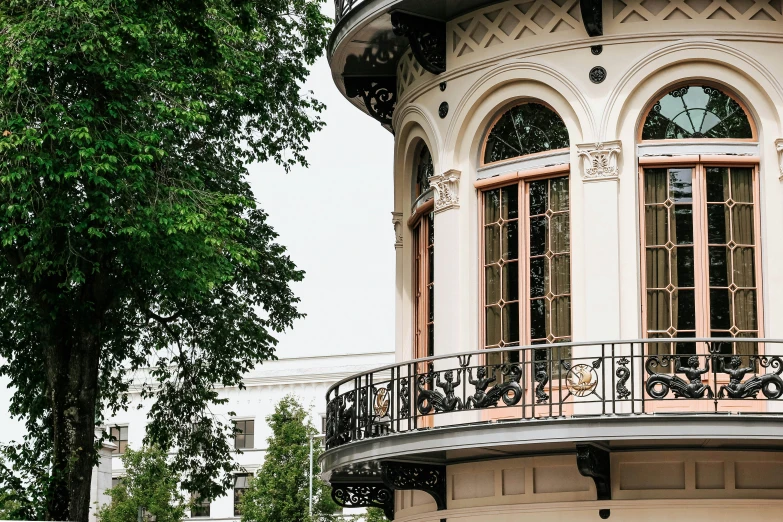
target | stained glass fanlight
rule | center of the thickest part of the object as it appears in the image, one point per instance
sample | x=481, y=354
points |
x=696, y=112
x=525, y=129
x=424, y=170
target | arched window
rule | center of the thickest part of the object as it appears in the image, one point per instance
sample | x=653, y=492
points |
x=423, y=170
x=525, y=129
x=526, y=262
x=699, y=217
x=696, y=111
x=423, y=256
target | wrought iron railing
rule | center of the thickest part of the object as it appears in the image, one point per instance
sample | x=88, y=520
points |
x=591, y=379
x=343, y=7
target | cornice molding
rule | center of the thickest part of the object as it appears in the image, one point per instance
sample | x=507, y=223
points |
x=446, y=188
x=600, y=161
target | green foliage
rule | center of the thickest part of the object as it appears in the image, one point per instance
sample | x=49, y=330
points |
x=149, y=483
x=129, y=236
x=280, y=490
x=375, y=515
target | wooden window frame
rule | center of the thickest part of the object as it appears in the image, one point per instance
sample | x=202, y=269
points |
x=420, y=224
x=701, y=261
x=236, y=425
x=521, y=180
x=119, y=450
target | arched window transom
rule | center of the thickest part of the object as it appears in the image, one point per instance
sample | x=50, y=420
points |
x=696, y=112
x=525, y=129
x=423, y=172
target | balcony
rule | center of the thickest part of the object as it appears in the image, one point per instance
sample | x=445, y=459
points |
x=529, y=397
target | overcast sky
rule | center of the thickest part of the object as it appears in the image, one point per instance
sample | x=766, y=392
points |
x=335, y=219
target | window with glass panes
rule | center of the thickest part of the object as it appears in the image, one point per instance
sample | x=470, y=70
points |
x=424, y=275
x=199, y=507
x=701, y=255
x=527, y=267
x=244, y=437
x=120, y=436
x=241, y=483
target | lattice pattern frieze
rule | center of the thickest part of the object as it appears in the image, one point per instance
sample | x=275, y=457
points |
x=502, y=24
x=408, y=72
x=630, y=11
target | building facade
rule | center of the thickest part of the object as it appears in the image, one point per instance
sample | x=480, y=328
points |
x=307, y=378
x=587, y=217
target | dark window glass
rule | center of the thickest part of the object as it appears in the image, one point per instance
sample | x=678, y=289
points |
x=423, y=172
x=696, y=112
x=241, y=483
x=199, y=508
x=120, y=438
x=525, y=129
x=245, y=436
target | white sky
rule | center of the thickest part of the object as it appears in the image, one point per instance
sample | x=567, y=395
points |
x=335, y=220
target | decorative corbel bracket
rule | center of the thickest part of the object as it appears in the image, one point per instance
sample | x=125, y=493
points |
x=379, y=94
x=593, y=461
x=779, y=148
x=427, y=38
x=424, y=477
x=600, y=161
x=364, y=494
x=592, y=16
x=446, y=187
x=397, y=222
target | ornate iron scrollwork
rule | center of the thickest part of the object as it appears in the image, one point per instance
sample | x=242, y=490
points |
x=379, y=94
x=659, y=384
x=593, y=462
x=623, y=374
x=424, y=477
x=364, y=495
x=509, y=390
x=405, y=399
x=542, y=378
x=592, y=16
x=771, y=385
x=429, y=400
x=427, y=38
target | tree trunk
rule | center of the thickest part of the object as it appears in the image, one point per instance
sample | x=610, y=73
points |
x=72, y=377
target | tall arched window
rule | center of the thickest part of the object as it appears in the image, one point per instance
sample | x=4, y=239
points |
x=423, y=256
x=700, y=226
x=525, y=129
x=526, y=240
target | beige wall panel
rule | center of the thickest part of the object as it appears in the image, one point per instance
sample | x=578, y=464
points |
x=758, y=475
x=473, y=485
x=558, y=479
x=652, y=475
x=710, y=475
x=514, y=481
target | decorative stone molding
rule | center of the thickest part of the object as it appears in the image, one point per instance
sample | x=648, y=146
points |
x=779, y=147
x=600, y=160
x=397, y=222
x=446, y=188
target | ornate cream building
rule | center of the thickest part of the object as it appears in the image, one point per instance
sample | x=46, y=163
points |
x=588, y=213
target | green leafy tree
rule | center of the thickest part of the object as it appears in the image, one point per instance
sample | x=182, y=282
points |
x=129, y=235
x=280, y=490
x=149, y=484
x=375, y=515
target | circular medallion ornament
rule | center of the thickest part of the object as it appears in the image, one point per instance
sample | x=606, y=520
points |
x=442, y=86
x=381, y=402
x=581, y=380
x=596, y=49
x=443, y=110
x=597, y=74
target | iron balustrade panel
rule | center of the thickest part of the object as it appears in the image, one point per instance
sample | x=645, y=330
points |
x=343, y=7
x=597, y=379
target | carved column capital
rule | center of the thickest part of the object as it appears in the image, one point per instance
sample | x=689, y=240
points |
x=446, y=188
x=397, y=222
x=779, y=148
x=600, y=161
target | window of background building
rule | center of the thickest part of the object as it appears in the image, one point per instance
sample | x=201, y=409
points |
x=245, y=436
x=115, y=481
x=199, y=508
x=526, y=241
x=120, y=435
x=240, y=486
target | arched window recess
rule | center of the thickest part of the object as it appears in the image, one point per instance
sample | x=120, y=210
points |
x=697, y=119
x=529, y=133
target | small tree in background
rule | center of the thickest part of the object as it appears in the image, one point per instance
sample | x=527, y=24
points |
x=149, y=483
x=375, y=515
x=280, y=490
